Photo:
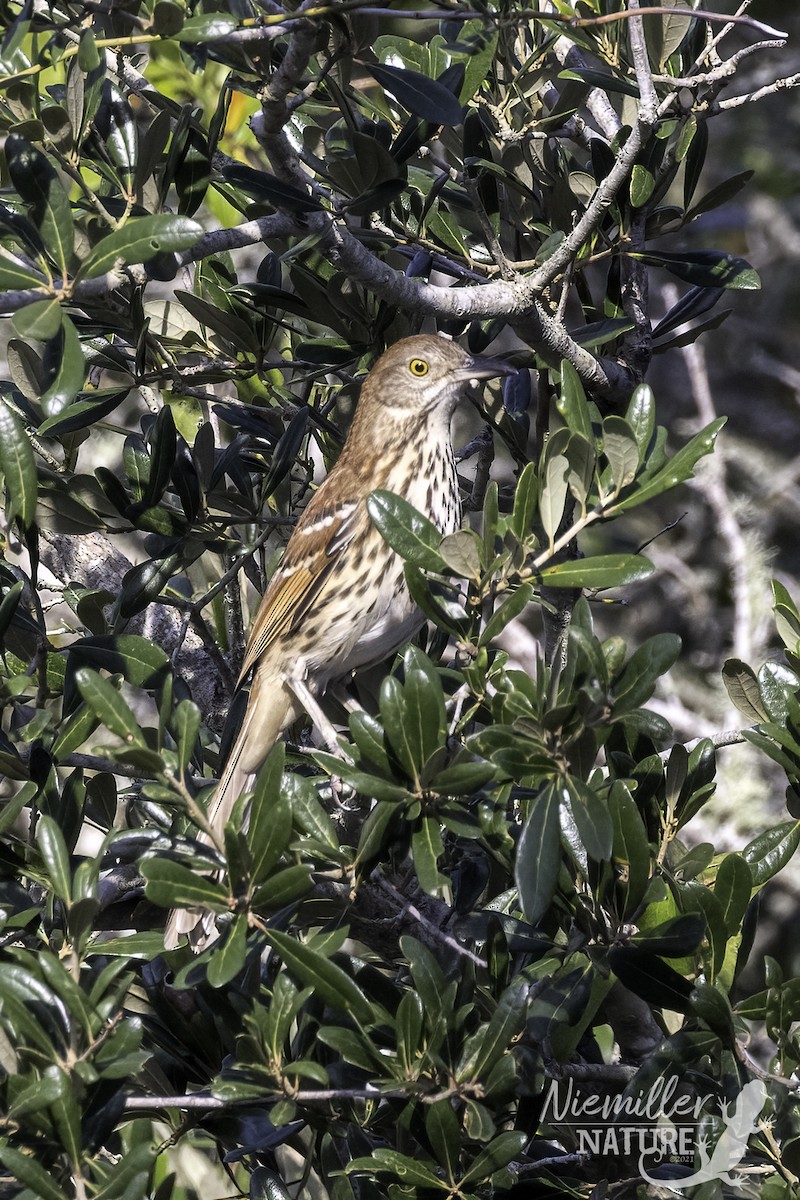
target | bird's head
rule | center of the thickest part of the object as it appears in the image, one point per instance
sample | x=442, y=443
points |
x=426, y=374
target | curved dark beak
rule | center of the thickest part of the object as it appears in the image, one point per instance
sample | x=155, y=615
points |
x=479, y=367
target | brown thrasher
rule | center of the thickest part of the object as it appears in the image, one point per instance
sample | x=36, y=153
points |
x=339, y=601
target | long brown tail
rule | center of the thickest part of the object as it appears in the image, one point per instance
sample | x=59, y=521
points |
x=271, y=708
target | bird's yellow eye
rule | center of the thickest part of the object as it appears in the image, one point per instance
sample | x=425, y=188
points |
x=418, y=367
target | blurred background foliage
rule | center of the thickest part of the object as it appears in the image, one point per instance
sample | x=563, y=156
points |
x=538, y=858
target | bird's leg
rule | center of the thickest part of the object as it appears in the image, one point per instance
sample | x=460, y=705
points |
x=309, y=703
x=339, y=791
x=348, y=702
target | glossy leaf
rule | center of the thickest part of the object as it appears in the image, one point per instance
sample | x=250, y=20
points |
x=679, y=468
x=108, y=705
x=37, y=182
x=330, y=982
x=18, y=467
x=704, y=268
x=139, y=240
x=539, y=854
x=425, y=97
x=170, y=884
x=606, y=570
x=83, y=413
x=406, y=530
x=770, y=851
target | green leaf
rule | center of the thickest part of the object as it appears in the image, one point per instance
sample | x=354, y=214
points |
x=631, y=850
x=515, y=604
x=70, y=374
x=140, y=661
x=263, y=186
x=228, y=959
x=40, y=188
x=719, y=195
x=108, y=706
x=424, y=702
x=524, y=502
x=406, y=530
x=498, y=1154
x=650, y=977
x=16, y=276
x=139, y=240
x=410, y=1170
x=770, y=851
x=425, y=97
x=642, y=185
x=38, y=1095
x=705, y=268
x=621, y=450
x=427, y=848
x=641, y=416
x=606, y=570
x=733, y=888
x=25, y=1169
x=18, y=467
x=539, y=854
x=444, y=1134
x=283, y=887
x=592, y=819
x=508, y=1019
x=84, y=412
x=462, y=553
x=644, y=668
x=186, y=725
x=171, y=885
x=329, y=981
x=572, y=404
x=679, y=468
x=38, y=322
x=743, y=690
x=554, y=495
x=270, y=829
x=56, y=857
x=206, y=28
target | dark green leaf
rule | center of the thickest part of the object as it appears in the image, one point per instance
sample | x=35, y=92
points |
x=171, y=885
x=679, y=468
x=498, y=1154
x=228, y=959
x=425, y=97
x=770, y=851
x=38, y=184
x=70, y=373
x=606, y=570
x=592, y=820
x=108, y=705
x=407, y=531
x=140, y=661
x=25, y=1169
x=631, y=849
x=330, y=982
x=40, y=321
x=18, y=467
x=704, y=268
x=139, y=240
x=84, y=412
x=539, y=854
x=650, y=977
x=733, y=888
x=56, y=857
x=16, y=275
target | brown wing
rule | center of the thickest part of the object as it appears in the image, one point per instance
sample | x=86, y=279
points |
x=322, y=533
